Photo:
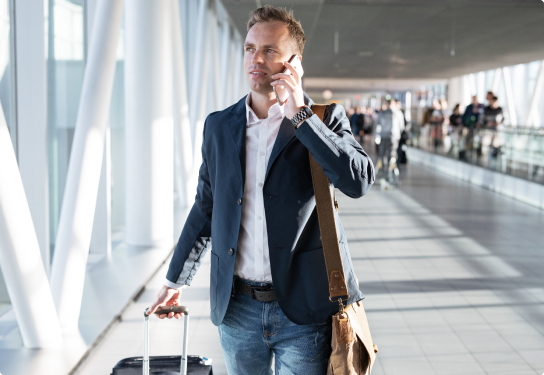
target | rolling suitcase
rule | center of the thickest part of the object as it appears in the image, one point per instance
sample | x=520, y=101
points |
x=165, y=365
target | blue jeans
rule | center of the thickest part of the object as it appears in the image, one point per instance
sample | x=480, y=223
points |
x=252, y=331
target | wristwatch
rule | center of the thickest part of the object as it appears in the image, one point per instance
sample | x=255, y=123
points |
x=304, y=113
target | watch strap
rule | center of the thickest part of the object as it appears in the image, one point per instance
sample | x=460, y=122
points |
x=302, y=115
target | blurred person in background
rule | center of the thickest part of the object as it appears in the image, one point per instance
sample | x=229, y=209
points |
x=489, y=97
x=369, y=120
x=396, y=108
x=456, y=119
x=357, y=121
x=472, y=113
x=493, y=114
x=437, y=122
x=455, y=129
x=387, y=130
x=493, y=117
x=471, y=120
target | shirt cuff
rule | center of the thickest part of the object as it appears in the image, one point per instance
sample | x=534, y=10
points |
x=170, y=284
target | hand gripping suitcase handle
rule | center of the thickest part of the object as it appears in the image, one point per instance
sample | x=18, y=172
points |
x=166, y=310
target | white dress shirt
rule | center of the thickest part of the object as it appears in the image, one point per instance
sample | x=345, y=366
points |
x=252, y=257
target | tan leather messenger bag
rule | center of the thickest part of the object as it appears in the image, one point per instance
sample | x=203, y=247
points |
x=353, y=351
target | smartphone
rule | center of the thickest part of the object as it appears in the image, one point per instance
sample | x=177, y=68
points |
x=281, y=94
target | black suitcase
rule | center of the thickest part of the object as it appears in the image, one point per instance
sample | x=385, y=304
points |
x=165, y=365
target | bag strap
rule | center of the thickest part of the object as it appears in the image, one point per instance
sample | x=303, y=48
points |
x=325, y=204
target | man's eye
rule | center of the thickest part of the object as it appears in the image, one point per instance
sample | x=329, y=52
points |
x=270, y=50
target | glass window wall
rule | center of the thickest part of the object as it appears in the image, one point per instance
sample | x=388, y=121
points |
x=7, y=99
x=64, y=22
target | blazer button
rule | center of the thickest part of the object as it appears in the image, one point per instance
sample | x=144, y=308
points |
x=231, y=251
x=240, y=201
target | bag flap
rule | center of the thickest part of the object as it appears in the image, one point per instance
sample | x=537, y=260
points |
x=359, y=324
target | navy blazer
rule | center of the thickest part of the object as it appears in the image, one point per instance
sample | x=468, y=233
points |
x=296, y=254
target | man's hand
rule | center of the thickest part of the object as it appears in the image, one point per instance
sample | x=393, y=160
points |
x=166, y=297
x=291, y=81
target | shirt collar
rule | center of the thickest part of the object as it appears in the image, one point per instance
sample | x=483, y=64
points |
x=251, y=118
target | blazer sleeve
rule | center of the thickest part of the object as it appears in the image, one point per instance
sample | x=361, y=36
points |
x=331, y=143
x=195, y=239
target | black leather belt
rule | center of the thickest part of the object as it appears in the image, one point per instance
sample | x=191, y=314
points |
x=258, y=293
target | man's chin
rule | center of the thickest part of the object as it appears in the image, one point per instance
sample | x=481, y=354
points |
x=261, y=89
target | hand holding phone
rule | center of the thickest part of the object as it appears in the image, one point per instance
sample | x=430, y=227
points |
x=281, y=92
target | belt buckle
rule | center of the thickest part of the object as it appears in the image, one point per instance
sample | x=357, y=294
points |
x=253, y=294
x=259, y=289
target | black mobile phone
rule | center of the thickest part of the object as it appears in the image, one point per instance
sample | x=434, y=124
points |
x=282, y=96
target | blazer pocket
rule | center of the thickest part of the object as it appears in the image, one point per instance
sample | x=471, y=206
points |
x=213, y=280
x=313, y=271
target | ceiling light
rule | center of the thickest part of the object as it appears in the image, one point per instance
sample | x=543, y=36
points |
x=365, y=53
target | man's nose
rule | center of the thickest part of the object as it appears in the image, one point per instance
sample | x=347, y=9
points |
x=257, y=58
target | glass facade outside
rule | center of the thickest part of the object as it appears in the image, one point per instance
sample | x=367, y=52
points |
x=7, y=98
x=66, y=42
x=65, y=58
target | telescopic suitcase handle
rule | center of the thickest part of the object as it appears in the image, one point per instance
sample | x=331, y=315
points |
x=166, y=310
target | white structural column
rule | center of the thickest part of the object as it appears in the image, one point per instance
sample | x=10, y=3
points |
x=77, y=213
x=32, y=118
x=509, y=96
x=225, y=65
x=101, y=235
x=149, y=123
x=535, y=98
x=20, y=258
x=496, y=80
x=215, y=60
x=183, y=148
x=237, y=68
x=198, y=68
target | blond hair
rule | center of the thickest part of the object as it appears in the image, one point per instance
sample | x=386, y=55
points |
x=269, y=14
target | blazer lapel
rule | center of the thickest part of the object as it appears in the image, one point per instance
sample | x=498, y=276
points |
x=285, y=134
x=237, y=126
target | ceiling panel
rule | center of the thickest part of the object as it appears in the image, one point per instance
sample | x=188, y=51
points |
x=404, y=39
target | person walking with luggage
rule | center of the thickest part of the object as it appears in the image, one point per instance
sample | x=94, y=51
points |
x=388, y=127
x=269, y=290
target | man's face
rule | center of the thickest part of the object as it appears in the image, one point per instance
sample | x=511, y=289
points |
x=267, y=46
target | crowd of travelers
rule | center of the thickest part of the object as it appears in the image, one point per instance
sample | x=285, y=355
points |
x=387, y=127
x=463, y=132
x=455, y=132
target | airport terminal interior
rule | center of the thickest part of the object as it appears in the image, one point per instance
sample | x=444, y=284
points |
x=102, y=110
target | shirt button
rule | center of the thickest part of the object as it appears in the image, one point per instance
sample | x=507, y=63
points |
x=259, y=218
x=260, y=184
x=240, y=201
x=231, y=251
x=259, y=250
x=262, y=153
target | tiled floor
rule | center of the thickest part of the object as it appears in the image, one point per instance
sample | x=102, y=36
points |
x=452, y=275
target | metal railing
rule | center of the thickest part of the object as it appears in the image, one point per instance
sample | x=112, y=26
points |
x=516, y=151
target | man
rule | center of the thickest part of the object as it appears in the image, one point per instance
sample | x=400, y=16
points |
x=471, y=120
x=493, y=114
x=357, y=121
x=471, y=117
x=493, y=117
x=255, y=196
x=389, y=126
